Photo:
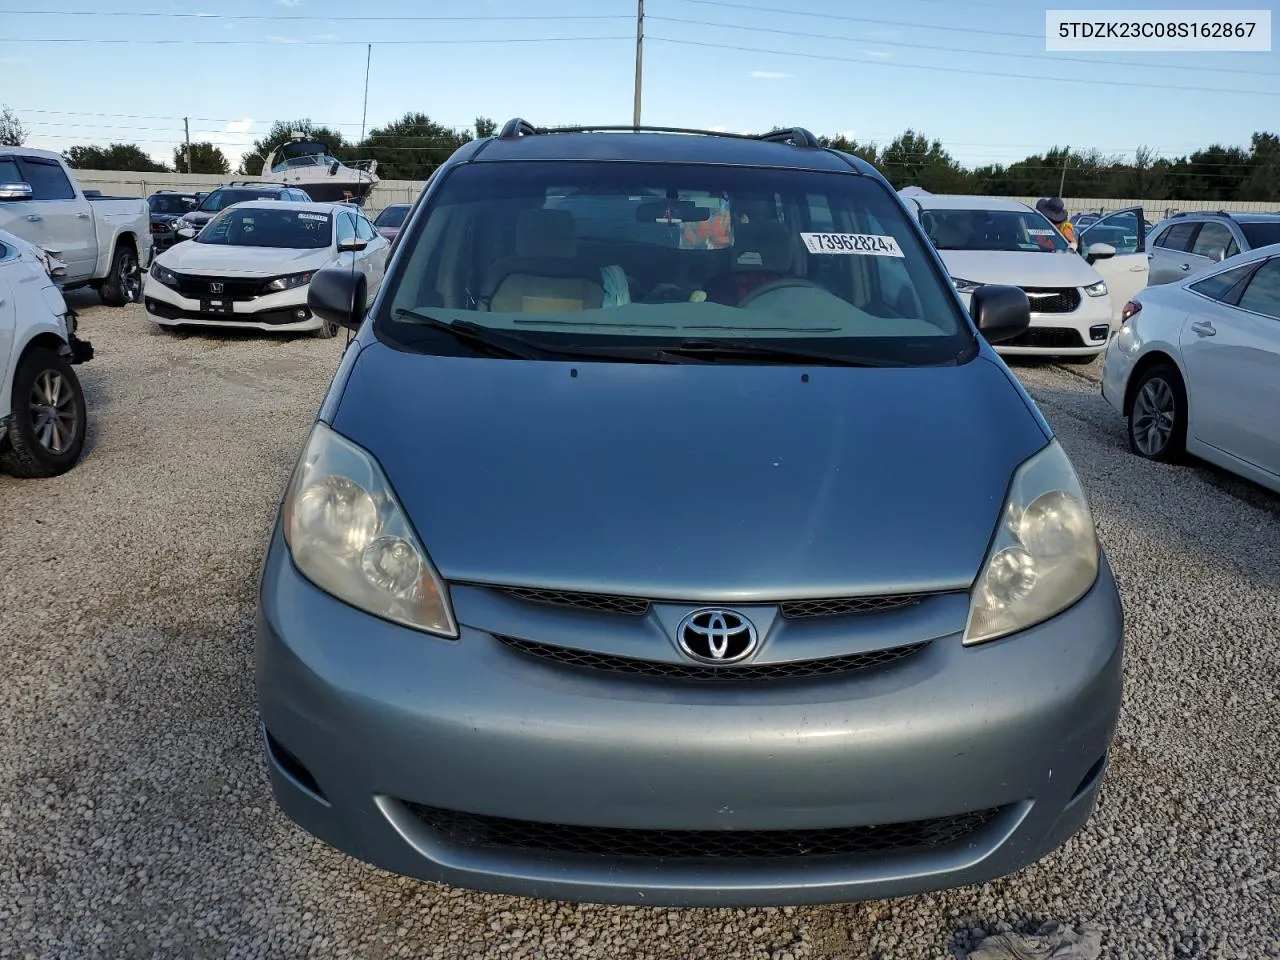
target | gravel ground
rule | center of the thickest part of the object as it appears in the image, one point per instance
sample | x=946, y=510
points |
x=135, y=815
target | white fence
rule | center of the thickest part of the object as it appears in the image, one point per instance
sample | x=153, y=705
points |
x=406, y=191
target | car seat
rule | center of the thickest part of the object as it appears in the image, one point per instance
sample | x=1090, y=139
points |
x=546, y=275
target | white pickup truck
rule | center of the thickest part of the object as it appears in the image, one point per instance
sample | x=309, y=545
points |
x=105, y=242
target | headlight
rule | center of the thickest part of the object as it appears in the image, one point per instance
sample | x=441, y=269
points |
x=1044, y=556
x=1098, y=289
x=349, y=536
x=164, y=275
x=965, y=286
x=287, y=283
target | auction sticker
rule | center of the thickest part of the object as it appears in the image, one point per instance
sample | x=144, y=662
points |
x=859, y=244
x=319, y=217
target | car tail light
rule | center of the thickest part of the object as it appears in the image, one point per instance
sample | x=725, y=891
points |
x=1131, y=309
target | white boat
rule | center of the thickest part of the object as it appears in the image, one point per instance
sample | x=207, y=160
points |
x=308, y=164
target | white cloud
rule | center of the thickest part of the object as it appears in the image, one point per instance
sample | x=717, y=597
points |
x=233, y=139
x=292, y=3
x=768, y=75
x=879, y=54
x=322, y=37
x=277, y=39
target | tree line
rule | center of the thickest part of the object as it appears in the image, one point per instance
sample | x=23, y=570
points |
x=411, y=148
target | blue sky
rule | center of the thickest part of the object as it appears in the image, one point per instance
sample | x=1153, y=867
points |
x=867, y=69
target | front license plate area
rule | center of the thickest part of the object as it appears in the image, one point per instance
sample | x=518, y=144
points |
x=215, y=306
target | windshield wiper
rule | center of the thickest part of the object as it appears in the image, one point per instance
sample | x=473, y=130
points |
x=762, y=350
x=493, y=342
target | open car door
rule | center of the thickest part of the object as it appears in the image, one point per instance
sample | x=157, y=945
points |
x=1126, y=271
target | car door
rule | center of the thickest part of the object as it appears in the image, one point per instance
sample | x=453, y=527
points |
x=1230, y=346
x=346, y=232
x=66, y=219
x=1126, y=272
x=1173, y=258
x=375, y=254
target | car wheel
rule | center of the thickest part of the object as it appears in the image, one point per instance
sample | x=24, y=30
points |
x=47, y=433
x=1158, y=414
x=326, y=331
x=124, y=283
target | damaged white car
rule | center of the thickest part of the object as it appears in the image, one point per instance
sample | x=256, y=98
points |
x=42, y=409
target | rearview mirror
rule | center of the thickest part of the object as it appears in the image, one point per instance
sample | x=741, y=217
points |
x=349, y=246
x=672, y=211
x=1000, y=312
x=336, y=294
x=1100, y=251
x=16, y=191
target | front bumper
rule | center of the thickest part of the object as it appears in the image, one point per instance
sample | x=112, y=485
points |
x=1082, y=332
x=285, y=312
x=375, y=732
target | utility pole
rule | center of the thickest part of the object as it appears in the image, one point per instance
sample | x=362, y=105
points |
x=635, y=114
x=368, y=58
x=1062, y=184
x=186, y=125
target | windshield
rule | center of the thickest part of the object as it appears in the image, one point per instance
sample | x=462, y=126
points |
x=1261, y=233
x=392, y=216
x=611, y=254
x=1011, y=230
x=221, y=199
x=171, y=203
x=263, y=227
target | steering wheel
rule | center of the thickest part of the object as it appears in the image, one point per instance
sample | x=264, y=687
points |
x=785, y=283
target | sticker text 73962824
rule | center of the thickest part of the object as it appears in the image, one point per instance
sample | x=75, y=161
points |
x=858, y=244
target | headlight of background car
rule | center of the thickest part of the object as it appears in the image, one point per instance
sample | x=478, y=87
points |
x=1098, y=289
x=1044, y=556
x=287, y=283
x=349, y=536
x=965, y=286
x=164, y=275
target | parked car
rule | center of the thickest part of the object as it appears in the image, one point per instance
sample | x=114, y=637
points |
x=42, y=407
x=996, y=240
x=1115, y=244
x=1196, y=367
x=391, y=219
x=251, y=266
x=219, y=199
x=1187, y=243
x=105, y=242
x=167, y=207
x=735, y=569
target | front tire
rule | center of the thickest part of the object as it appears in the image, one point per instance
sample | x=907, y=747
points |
x=47, y=434
x=326, y=331
x=124, y=283
x=1157, y=414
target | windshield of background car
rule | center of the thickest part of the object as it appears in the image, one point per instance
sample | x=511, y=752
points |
x=601, y=253
x=1261, y=233
x=221, y=199
x=260, y=227
x=1008, y=230
x=175, y=204
x=392, y=217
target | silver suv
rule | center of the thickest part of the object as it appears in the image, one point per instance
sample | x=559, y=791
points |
x=1188, y=242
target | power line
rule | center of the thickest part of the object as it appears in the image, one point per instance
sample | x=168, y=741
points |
x=882, y=23
x=290, y=42
x=949, y=49
x=310, y=17
x=977, y=73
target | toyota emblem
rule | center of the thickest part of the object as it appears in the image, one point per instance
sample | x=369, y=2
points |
x=717, y=636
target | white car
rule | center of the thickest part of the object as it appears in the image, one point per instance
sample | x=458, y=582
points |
x=1196, y=367
x=994, y=240
x=251, y=266
x=42, y=411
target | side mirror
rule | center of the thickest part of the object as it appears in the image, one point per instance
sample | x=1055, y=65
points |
x=15, y=191
x=1100, y=251
x=1000, y=313
x=351, y=246
x=336, y=294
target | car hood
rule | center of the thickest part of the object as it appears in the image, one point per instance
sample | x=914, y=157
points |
x=694, y=481
x=193, y=257
x=1020, y=269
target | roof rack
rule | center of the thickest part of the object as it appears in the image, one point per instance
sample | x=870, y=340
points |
x=1202, y=213
x=519, y=127
x=251, y=183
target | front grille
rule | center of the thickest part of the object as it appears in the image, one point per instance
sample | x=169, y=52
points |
x=196, y=287
x=638, y=606
x=752, y=672
x=1049, y=338
x=617, y=843
x=1053, y=299
x=273, y=317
